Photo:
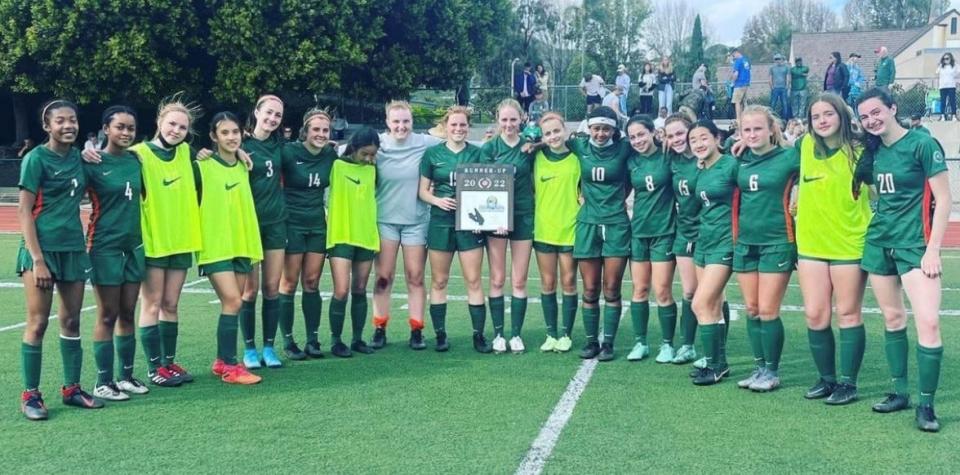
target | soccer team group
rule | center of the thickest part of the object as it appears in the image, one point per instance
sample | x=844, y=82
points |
x=262, y=215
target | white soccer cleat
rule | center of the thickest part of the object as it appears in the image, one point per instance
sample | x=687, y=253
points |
x=499, y=344
x=110, y=392
x=516, y=345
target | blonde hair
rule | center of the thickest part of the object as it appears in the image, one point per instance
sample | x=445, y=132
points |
x=550, y=116
x=395, y=104
x=176, y=103
x=309, y=116
x=252, y=119
x=773, y=122
x=453, y=110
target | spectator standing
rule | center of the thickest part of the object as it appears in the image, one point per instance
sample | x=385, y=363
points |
x=648, y=82
x=886, y=70
x=26, y=148
x=612, y=101
x=741, y=81
x=623, y=80
x=590, y=87
x=701, y=82
x=778, y=85
x=948, y=72
x=538, y=107
x=666, y=77
x=524, y=86
x=837, y=75
x=91, y=143
x=798, y=88
x=856, y=82
x=661, y=120
x=543, y=80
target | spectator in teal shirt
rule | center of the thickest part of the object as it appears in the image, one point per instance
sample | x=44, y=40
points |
x=798, y=88
x=886, y=69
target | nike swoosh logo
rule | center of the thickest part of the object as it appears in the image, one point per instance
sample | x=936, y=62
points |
x=57, y=172
x=170, y=182
x=300, y=163
x=726, y=258
x=107, y=173
x=783, y=263
x=229, y=186
x=88, y=270
x=544, y=179
x=354, y=180
x=155, y=359
x=138, y=247
x=808, y=179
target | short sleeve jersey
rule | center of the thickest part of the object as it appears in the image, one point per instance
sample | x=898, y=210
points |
x=265, y=178
x=766, y=182
x=684, y=175
x=718, y=194
x=497, y=151
x=653, y=208
x=603, y=181
x=742, y=67
x=305, y=178
x=904, y=213
x=114, y=186
x=58, y=183
x=439, y=165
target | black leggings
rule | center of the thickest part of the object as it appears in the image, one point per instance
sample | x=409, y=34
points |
x=948, y=101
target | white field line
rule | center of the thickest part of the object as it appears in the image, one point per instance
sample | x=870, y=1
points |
x=52, y=317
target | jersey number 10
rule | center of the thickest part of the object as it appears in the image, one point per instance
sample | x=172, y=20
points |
x=598, y=174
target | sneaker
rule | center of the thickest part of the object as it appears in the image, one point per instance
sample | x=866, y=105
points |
x=132, y=386
x=550, y=344
x=606, y=352
x=927, y=419
x=32, y=406
x=180, y=372
x=237, y=374
x=416, y=340
x=590, y=350
x=164, y=378
x=312, y=349
x=110, y=392
x=684, y=355
x=74, y=395
x=379, y=338
x=564, y=344
x=701, y=363
x=294, y=352
x=340, y=350
x=361, y=346
x=765, y=383
x=843, y=394
x=709, y=376
x=219, y=367
x=499, y=344
x=480, y=343
x=251, y=359
x=821, y=389
x=754, y=376
x=666, y=354
x=696, y=372
x=893, y=403
x=270, y=358
x=516, y=345
x=639, y=352
x=442, y=343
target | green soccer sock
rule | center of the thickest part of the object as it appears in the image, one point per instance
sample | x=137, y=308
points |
x=756, y=341
x=31, y=357
x=611, y=322
x=312, y=306
x=103, y=356
x=358, y=314
x=708, y=333
x=853, y=342
x=126, y=351
x=496, y=314
x=518, y=312
x=550, y=312
x=168, y=340
x=640, y=318
x=591, y=323
x=896, y=348
x=823, y=349
x=285, y=321
x=150, y=339
x=438, y=316
x=72, y=354
x=668, y=322
x=569, y=313
x=338, y=313
x=688, y=322
x=720, y=340
x=270, y=314
x=928, y=360
x=248, y=323
x=772, y=338
x=478, y=317
x=227, y=338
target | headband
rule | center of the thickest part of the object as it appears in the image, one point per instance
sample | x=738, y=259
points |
x=601, y=121
x=267, y=97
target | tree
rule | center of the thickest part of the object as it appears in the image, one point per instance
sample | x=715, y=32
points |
x=557, y=41
x=770, y=31
x=611, y=32
x=669, y=27
x=889, y=14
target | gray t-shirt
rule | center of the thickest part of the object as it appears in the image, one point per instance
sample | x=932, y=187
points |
x=778, y=75
x=398, y=179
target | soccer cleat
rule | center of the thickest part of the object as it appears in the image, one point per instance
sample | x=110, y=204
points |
x=294, y=352
x=379, y=338
x=821, y=390
x=499, y=344
x=639, y=352
x=590, y=350
x=32, y=406
x=164, y=378
x=251, y=359
x=893, y=403
x=312, y=349
x=701, y=363
x=132, y=386
x=237, y=374
x=684, y=355
x=550, y=344
x=765, y=383
x=340, y=350
x=361, y=346
x=416, y=340
x=696, y=372
x=180, y=372
x=110, y=392
x=480, y=343
x=843, y=394
x=516, y=345
x=219, y=367
x=564, y=344
x=270, y=358
x=927, y=419
x=709, y=376
x=666, y=354
x=74, y=395
x=606, y=352
x=442, y=343
x=754, y=376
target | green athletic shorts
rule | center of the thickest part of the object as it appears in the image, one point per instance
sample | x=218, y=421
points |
x=545, y=248
x=683, y=248
x=115, y=268
x=601, y=240
x=274, y=236
x=173, y=261
x=652, y=249
x=447, y=239
x=771, y=258
x=300, y=241
x=889, y=261
x=65, y=266
x=831, y=262
x=238, y=265
x=353, y=253
x=703, y=257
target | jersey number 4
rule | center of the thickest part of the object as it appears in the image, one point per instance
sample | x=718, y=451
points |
x=885, y=183
x=128, y=192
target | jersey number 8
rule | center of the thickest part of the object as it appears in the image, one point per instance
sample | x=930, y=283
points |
x=649, y=182
x=706, y=201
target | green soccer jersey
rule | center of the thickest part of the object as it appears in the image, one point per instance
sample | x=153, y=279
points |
x=604, y=179
x=114, y=187
x=684, y=172
x=497, y=151
x=58, y=183
x=766, y=182
x=718, y=194
x=905, y=204
x=265, y=178
x=439, y=165
x=653, y=210
x=305, y=178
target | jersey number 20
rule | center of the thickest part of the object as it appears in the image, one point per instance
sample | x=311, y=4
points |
x=885, y=183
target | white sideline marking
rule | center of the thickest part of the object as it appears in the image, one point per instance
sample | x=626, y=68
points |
x=52, y=317
x=191, y=284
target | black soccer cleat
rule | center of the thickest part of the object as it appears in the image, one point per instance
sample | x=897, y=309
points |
x=927, y=419
x=32, y=406
x=379, y=338
x=893, y=403
x=842, y=395
x=312, y=349
x=294, y=352
x=606, y=352
x=340, y=350
x=74, y=395
x=416, y=340
x=590, y=350
x=442, y=343
x=361, y=346
x=480, y=343
x=710, y=376
x=821, y=389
